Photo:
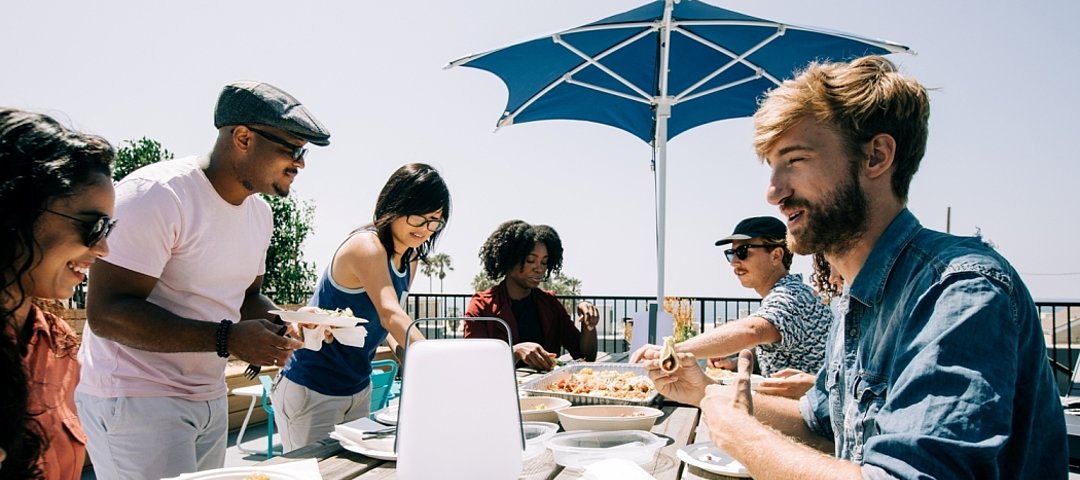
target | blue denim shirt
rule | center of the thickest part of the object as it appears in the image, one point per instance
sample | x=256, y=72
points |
x=936, y=367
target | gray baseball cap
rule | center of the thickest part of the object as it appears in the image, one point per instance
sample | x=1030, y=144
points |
x=259, y=103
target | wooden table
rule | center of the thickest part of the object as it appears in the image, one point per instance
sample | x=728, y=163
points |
x=336, y=463
x=678, y=423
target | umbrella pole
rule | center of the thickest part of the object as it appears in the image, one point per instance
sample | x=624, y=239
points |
x=660, y=153
x=663, y=112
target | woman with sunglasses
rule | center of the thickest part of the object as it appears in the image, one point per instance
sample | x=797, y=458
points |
x=58, y=195
x=524, y=255
x=370, y=274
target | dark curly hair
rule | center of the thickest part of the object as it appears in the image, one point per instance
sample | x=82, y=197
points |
x=510, y=243
x=819, y=279
x=42, y=161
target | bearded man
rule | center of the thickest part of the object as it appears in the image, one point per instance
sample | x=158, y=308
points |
x=935, y=365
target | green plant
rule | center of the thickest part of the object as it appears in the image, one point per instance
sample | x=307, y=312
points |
x=289, y=278
x=134, y=154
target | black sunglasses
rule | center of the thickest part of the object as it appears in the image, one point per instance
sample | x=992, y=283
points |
x=96, y=230
x=297, y=152
x=420, y=221
x=743, y=251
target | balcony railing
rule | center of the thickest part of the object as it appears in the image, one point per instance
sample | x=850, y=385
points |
x=1060, y=321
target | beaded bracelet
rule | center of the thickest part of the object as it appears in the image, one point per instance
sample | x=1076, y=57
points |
x=223, y=338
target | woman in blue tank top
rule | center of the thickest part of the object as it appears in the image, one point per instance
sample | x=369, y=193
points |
x=370, y=274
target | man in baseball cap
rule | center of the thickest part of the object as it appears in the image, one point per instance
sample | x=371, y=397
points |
x=790, y=326
x=182, y=292
x=765, y=227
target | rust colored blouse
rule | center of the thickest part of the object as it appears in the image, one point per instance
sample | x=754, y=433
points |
x=53, y=371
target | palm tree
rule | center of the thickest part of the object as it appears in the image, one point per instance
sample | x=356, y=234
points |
x=428, y=268
x=441, y=264
x=436, y=266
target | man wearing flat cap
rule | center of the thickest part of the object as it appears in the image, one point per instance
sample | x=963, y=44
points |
x=180, y=292
x=788, y=328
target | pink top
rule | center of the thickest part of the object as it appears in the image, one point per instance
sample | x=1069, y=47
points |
x=53, y=372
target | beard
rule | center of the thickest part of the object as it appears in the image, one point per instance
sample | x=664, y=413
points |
x=834, y=226
x=280, y=191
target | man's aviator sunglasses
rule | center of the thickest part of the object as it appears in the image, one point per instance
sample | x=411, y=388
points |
x=96, y=230
x=297, y=152
x=420, y=221
x=743, y=251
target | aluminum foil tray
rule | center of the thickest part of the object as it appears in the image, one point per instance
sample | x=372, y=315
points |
x=537, y=387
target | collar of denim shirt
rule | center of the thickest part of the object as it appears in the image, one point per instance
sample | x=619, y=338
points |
x=869, y=285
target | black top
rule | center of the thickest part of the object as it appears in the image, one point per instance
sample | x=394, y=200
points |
x=528, y=321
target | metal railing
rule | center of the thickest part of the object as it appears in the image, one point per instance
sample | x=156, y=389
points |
x=1060, y=320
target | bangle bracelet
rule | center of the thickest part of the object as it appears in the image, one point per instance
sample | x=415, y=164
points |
x=222, y=339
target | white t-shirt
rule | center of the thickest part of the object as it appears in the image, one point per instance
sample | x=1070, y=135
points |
x=205, y=252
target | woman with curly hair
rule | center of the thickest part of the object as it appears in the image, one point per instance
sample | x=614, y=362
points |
x=57, y=191
x=524, y=255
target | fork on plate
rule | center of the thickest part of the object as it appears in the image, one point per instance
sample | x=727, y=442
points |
x=252, y=370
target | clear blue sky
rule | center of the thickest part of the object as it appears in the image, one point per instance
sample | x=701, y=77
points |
x=1004, y=76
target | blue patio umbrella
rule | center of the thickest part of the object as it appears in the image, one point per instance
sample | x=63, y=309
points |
x=659, y=70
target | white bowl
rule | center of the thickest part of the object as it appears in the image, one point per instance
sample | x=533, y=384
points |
x=608, y=417
x=541, y=409
x=581, y=449
x=536, y=433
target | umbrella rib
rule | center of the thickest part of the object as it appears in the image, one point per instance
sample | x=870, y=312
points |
x=892, y=47
x=508, y=118
x=608, y=91
x=717, y=89
x=596, y=61
x=735, y=58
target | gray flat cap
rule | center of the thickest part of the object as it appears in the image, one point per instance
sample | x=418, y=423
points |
x=258, y=103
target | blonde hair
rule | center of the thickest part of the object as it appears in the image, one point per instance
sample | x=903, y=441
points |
x=858, y=100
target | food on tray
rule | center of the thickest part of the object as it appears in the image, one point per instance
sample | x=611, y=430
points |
x=341, y=312
x=257, y=476
x=605, y=383
x=669, y=362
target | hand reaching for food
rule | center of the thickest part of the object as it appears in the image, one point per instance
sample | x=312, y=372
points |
x=534, y=355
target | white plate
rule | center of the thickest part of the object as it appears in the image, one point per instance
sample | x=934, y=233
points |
x=381, y=448
x=318, y=318
x=387, y=415
x=707, y=457
x=727, y=377
x=237, y=473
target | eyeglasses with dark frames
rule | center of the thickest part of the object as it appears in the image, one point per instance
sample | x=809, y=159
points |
x=297, y=152
x=96, y=230
x=420, y=221
x=743, y=251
